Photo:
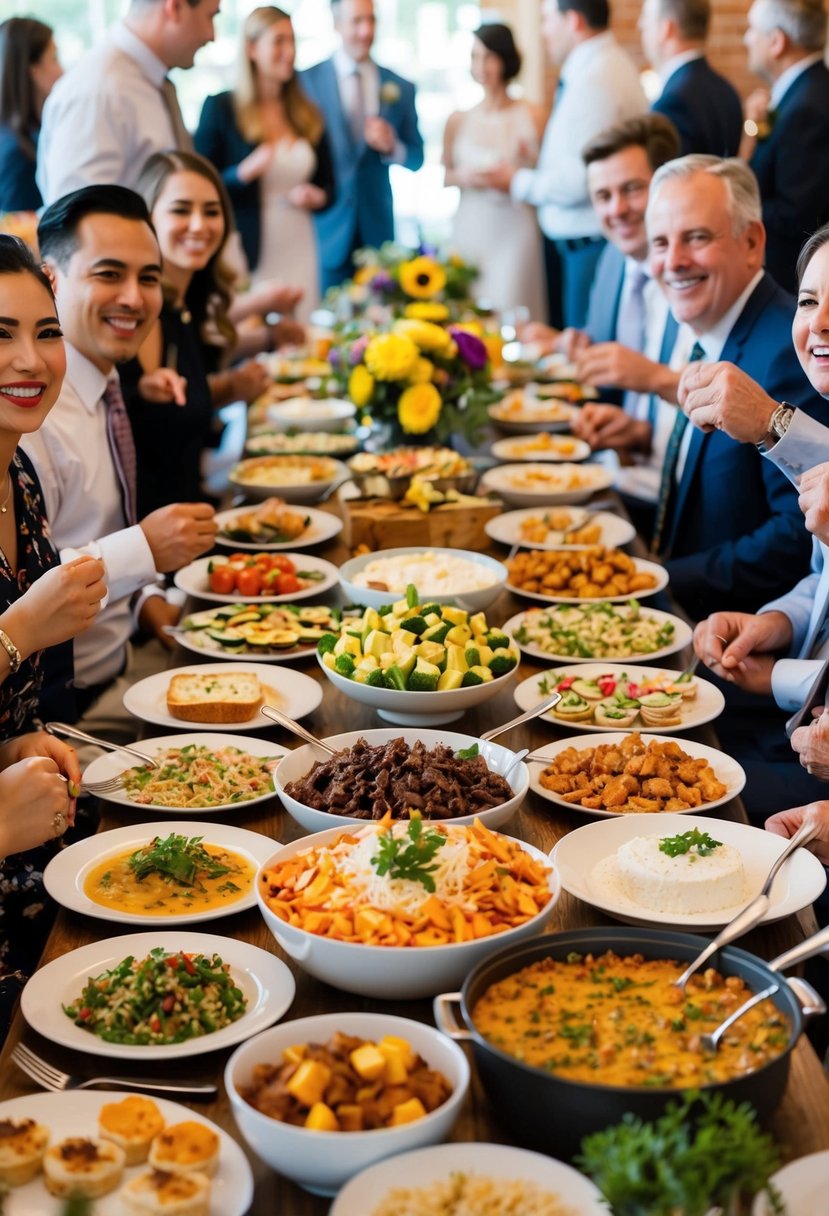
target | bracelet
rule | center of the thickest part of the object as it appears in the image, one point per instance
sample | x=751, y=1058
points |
x=15, y=658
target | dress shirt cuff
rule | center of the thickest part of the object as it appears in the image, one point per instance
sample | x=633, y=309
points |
x=521, y=184
x=127, y=557
x=398, y=156
x=791, y=680
x=805, y=444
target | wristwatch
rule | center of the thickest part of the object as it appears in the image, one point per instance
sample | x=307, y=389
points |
x=11, y=650
x=751, y=129
x=778, y=425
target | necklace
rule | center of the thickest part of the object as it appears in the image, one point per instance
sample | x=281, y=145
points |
x=4, y=506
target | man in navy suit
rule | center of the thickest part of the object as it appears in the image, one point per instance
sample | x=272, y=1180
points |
x=703, y=106
x=371, y=123
x=787, y=130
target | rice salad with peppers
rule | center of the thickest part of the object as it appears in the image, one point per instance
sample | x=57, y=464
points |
x=595, y=631
x=161, y=999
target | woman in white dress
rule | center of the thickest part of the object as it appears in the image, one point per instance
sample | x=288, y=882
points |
x=492, y=231
x=267, y=139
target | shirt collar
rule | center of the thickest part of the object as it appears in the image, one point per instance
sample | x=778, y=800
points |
x=581, y=54
x=634, y=268
x=344, y=65
x=785, y=81
x=128, y=42
x=714, y=340
x=676, y=62
x=87, y=380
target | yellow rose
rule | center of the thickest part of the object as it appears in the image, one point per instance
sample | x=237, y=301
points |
x=471, y=327
x=422, y=373
x=426, y=310
x=424, y=334
x=360, y=386
x=422, y=278
x=419, y=408
x=391, y=356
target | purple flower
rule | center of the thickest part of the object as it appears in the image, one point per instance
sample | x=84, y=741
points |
x=428, y=251
x=334, y=357
x=357, y=351
x=471, y=349
x=382, y=281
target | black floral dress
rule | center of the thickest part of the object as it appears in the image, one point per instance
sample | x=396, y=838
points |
x=26, y=912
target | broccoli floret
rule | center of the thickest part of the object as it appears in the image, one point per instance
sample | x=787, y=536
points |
x=470, y=678
x=375, y=679
x=415, y=624
x=502, y=662
x=344, y=665
x=472, y=655
x=327, y=643
x=496, y=639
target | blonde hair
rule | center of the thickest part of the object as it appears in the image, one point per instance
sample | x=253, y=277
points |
x=301, y=112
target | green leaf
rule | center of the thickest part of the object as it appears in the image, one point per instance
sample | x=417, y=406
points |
x=675, y=846
x=411, y=860
x=467, y=753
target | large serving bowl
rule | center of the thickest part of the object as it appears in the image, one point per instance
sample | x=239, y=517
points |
x=297, y=763
x=472, y=601
x=553, y=1113
x=394, y=973
x=299, y=479
x=310, y=414
x=322, y=1161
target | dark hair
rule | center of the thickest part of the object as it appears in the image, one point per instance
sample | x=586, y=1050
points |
x=498, y=39
x=22, y=43
x=653, y=132
x=57, y=232
x=692, y=17
x=17, y=258
x=595, y=12
x=816, y=241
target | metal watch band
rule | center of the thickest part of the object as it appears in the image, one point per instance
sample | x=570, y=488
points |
x=11, y=650
x=778, y=425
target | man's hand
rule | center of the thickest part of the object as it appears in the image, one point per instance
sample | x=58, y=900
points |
x=812, y=746
x=608, y=426
x=499, y=177
x=154, y=615
x=786, y=823
x=287, y=332
x=718, y=396
x=163, y=386
x=179, y=533
x=743, y=648
x=58, y=606
x=380, y=135
x=814, y=500
x=247, y=381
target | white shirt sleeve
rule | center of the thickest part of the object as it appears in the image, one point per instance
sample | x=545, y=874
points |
x=81, y=143
x=805, y=444
x=791, y=680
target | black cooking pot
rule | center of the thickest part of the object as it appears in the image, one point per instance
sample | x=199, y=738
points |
x=553, y=1114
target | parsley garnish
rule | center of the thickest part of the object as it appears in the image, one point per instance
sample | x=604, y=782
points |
x=400, y=859
x=685, y=841
x=176, y=857
x=467, y=753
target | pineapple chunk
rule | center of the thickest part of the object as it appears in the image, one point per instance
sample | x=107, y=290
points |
x=321, y=1118
x=450, y=679
x=394, y=1042
x=295, y=1054
x=308, y=1083
x=368, y=1062
x=407, y=1112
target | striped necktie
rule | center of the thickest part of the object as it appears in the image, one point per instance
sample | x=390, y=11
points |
x=667, y=483
x=122, y=446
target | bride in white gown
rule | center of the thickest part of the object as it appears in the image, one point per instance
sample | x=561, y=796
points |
x=490, y=230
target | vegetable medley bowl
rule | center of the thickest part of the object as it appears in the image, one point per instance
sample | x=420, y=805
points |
x=511, y=898
x=300, y=762
x=319, y=1160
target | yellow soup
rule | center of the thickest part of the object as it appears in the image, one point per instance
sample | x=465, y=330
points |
x=620, y=1021
x=113, y=884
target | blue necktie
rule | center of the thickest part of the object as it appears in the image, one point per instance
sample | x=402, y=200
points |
x=667, y=482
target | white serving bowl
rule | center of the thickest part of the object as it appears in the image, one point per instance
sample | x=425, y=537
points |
x=310, y=414
x=297, y=763
x=472, y=601
x=304, y=492
x=323, y=1161
x=418, y=708
x=394, y=973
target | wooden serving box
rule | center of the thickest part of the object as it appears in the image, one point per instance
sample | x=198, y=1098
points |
x=382, y=523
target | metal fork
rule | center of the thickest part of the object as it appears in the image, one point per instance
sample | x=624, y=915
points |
x=108, y=785
x=52, y=1078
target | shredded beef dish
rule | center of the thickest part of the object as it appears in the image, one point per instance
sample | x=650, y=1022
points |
x=366, y=782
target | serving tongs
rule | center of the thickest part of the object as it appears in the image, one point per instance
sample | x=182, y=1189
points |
x=810, y=1002
x=754, y=911
x=283, y=720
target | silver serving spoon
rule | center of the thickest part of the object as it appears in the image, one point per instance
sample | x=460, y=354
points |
x=514, y=762
x=540, y=708
x=281, y=719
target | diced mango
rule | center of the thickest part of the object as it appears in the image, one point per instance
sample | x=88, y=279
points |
x=321, y=1118
x=395, y=1042
x=295, y=1054
x=308, y=1083
x=395, y=1057
x=407, y=1112
x=368, y=1062
x=350, y=1117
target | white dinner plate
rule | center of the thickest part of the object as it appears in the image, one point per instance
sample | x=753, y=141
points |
x=322, y=526
x=506, y=529
x=193, y=579
x=199, y=641
x=585, y=860
x=550, y=485
x=290, y=691
x=561, y=448
x=682, y=637
x=425, y=1166
x=725, y=768
x=521, y=413
x=802, y=1185
x=112, y=764
x=265, y=980
x=67, y=872
x=707, y=705
x=76, y=1114
x=659, y=573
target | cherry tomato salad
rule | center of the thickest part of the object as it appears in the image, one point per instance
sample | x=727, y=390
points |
x=252, y=574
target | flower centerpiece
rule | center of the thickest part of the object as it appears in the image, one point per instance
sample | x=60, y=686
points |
x=421, y=377
x=420, y=284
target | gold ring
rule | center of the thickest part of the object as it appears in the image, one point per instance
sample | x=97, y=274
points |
x=59, y=823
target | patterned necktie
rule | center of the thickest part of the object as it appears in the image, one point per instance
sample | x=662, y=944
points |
x=667, y=483
x=122, y=446
x=357, y=106
x=630, y=324
x=181, y=136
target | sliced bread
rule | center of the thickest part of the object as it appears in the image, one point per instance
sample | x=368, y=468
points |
x=232, y=696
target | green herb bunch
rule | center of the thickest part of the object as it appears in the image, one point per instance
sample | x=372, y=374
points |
x=674, y=846
x=410, y=858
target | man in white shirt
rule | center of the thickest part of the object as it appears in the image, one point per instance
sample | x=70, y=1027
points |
x=116, y=106
x=104, y=261
x=598, y=87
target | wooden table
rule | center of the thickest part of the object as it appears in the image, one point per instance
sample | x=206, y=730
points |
x=801, y=1125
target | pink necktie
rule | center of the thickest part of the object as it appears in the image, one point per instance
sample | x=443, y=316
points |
x=122, y=446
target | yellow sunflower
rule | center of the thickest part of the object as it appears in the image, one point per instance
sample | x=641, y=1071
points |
x=424, y=334
x=423, y=371
x=419, y=408
x=426, y=310
x=422, y=278
x=391, y=356
x=360, y=386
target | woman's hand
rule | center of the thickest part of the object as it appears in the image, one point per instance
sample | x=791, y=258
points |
x=786, y=823
x=163, y=386
x=62, y=603
x=34, y=805
x=39, y=743
x=307, y=196
x=256, y=163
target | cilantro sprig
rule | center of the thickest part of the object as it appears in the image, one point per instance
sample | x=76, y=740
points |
x=178, y=858
x=402, y=858
x=674, y=846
